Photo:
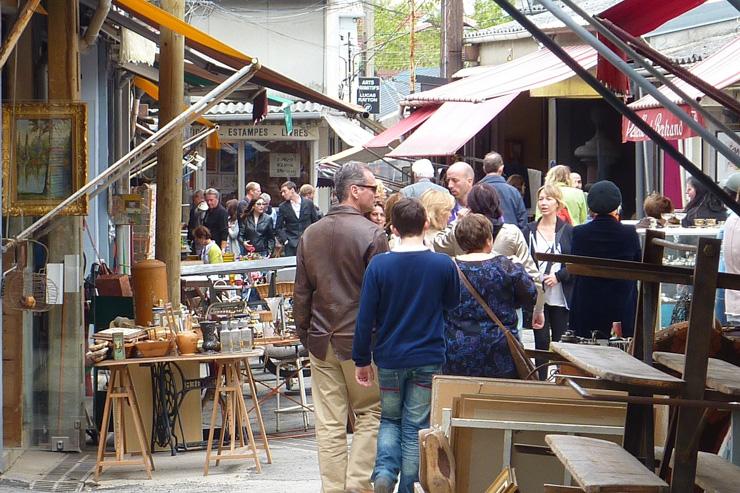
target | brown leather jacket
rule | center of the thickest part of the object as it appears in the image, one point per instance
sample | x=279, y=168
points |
x=331, y=260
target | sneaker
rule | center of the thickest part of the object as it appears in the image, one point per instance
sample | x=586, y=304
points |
x=383, y=485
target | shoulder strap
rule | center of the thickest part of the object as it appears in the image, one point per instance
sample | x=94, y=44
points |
x=479, y=298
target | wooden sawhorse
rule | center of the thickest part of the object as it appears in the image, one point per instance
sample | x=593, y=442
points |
x=121, y=392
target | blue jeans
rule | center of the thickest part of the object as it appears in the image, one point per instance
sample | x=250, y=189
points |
x=405, y=400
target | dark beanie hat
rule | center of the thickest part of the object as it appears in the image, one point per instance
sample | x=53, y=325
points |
x=604, y=197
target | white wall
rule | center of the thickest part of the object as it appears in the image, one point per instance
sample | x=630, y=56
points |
x=285, y=35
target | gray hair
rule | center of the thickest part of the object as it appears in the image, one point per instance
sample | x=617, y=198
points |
x=352, y=173
x=212, y=191
x=423, y=168
x=492, y=162
x=266, y=197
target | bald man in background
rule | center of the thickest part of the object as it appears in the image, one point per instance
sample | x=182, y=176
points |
x=460, y=176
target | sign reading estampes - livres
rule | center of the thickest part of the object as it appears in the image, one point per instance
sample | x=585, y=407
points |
x=267, y=132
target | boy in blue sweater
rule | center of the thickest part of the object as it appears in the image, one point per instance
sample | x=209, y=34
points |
x=400, y=321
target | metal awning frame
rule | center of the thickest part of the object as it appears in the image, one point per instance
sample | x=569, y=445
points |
x=608, y=34
x=617, y=103
x=143, y=151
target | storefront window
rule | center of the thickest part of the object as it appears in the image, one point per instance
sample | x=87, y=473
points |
x=222, y=171
x=271, y=163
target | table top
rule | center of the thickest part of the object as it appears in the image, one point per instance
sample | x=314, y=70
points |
x=615, y=365
x=241, y=266
x=600, y=465
x=200, y=357
x=721, y=375
x=277, y=341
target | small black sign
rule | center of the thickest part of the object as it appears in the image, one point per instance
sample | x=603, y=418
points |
x=368, y=94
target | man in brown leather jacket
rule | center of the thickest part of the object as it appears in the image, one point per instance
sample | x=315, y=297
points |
x=331, y=260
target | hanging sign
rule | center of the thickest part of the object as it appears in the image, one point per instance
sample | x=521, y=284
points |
x=368, y=94
x=668, y=125
x=284, y=164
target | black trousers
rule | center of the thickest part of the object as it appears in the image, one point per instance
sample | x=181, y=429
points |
x=556, y=323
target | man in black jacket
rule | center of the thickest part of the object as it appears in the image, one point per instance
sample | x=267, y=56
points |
x=294, y=216
x=216, y=218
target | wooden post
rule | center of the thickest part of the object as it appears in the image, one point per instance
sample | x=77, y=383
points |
x=701, y=320
x=169, y=157
x=452, y=37
x=65, y=240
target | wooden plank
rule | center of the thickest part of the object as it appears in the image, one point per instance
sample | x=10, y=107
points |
x=695, y=374
x=445, y=388
x=615, y=365
x=17, y=30
x=544, y=410
x=721, y=375
x=713, y=473
x=603, y=466
x=635, y=271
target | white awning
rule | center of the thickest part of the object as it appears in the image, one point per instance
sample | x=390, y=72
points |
x=348, y=130
x=357, y=153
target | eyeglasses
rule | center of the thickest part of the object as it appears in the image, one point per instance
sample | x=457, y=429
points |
x=259, y=203
x=374, y=188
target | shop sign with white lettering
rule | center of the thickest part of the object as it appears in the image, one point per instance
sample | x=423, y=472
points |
x=267, y=132
x=368, y=94
x=668, y=125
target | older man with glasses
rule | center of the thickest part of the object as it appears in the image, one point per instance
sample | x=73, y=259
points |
x=332, y=257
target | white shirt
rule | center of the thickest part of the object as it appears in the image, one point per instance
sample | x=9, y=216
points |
x=296, y=207
x=553, y=296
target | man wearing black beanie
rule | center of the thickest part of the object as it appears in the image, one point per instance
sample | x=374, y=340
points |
x=605, y=305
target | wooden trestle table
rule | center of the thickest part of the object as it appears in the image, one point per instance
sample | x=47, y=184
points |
x=229, y=371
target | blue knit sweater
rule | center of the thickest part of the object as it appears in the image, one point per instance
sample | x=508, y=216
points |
x=400, y=319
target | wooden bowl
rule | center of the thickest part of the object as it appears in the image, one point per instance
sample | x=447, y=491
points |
x=153, y=349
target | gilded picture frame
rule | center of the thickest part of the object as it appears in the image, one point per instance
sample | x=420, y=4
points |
x=44, y=157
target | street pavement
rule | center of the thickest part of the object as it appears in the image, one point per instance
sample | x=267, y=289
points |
x=294, y=467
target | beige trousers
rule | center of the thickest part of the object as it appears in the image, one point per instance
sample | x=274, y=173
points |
x=334, y=387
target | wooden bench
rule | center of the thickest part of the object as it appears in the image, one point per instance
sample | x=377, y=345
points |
x=615, y=365
x=713, y=473
x=602, y=466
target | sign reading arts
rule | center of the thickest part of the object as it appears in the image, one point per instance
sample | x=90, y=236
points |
x=368, y=94
x=267, y=132
x=284, y=164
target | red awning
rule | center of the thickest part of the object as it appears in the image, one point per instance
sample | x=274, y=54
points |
x=451, y=126
x=538, y=69
x=637, y=17
x=389, y=135
x=719, y=70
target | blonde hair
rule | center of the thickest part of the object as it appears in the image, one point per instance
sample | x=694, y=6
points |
x=380, y=194
x=437, y=204
x=554, y=192
x=305, y=190
x=559, y=174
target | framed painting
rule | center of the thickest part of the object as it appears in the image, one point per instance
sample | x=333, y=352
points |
x=44, y=157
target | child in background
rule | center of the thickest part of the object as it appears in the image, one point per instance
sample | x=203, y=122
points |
x=210, y=252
